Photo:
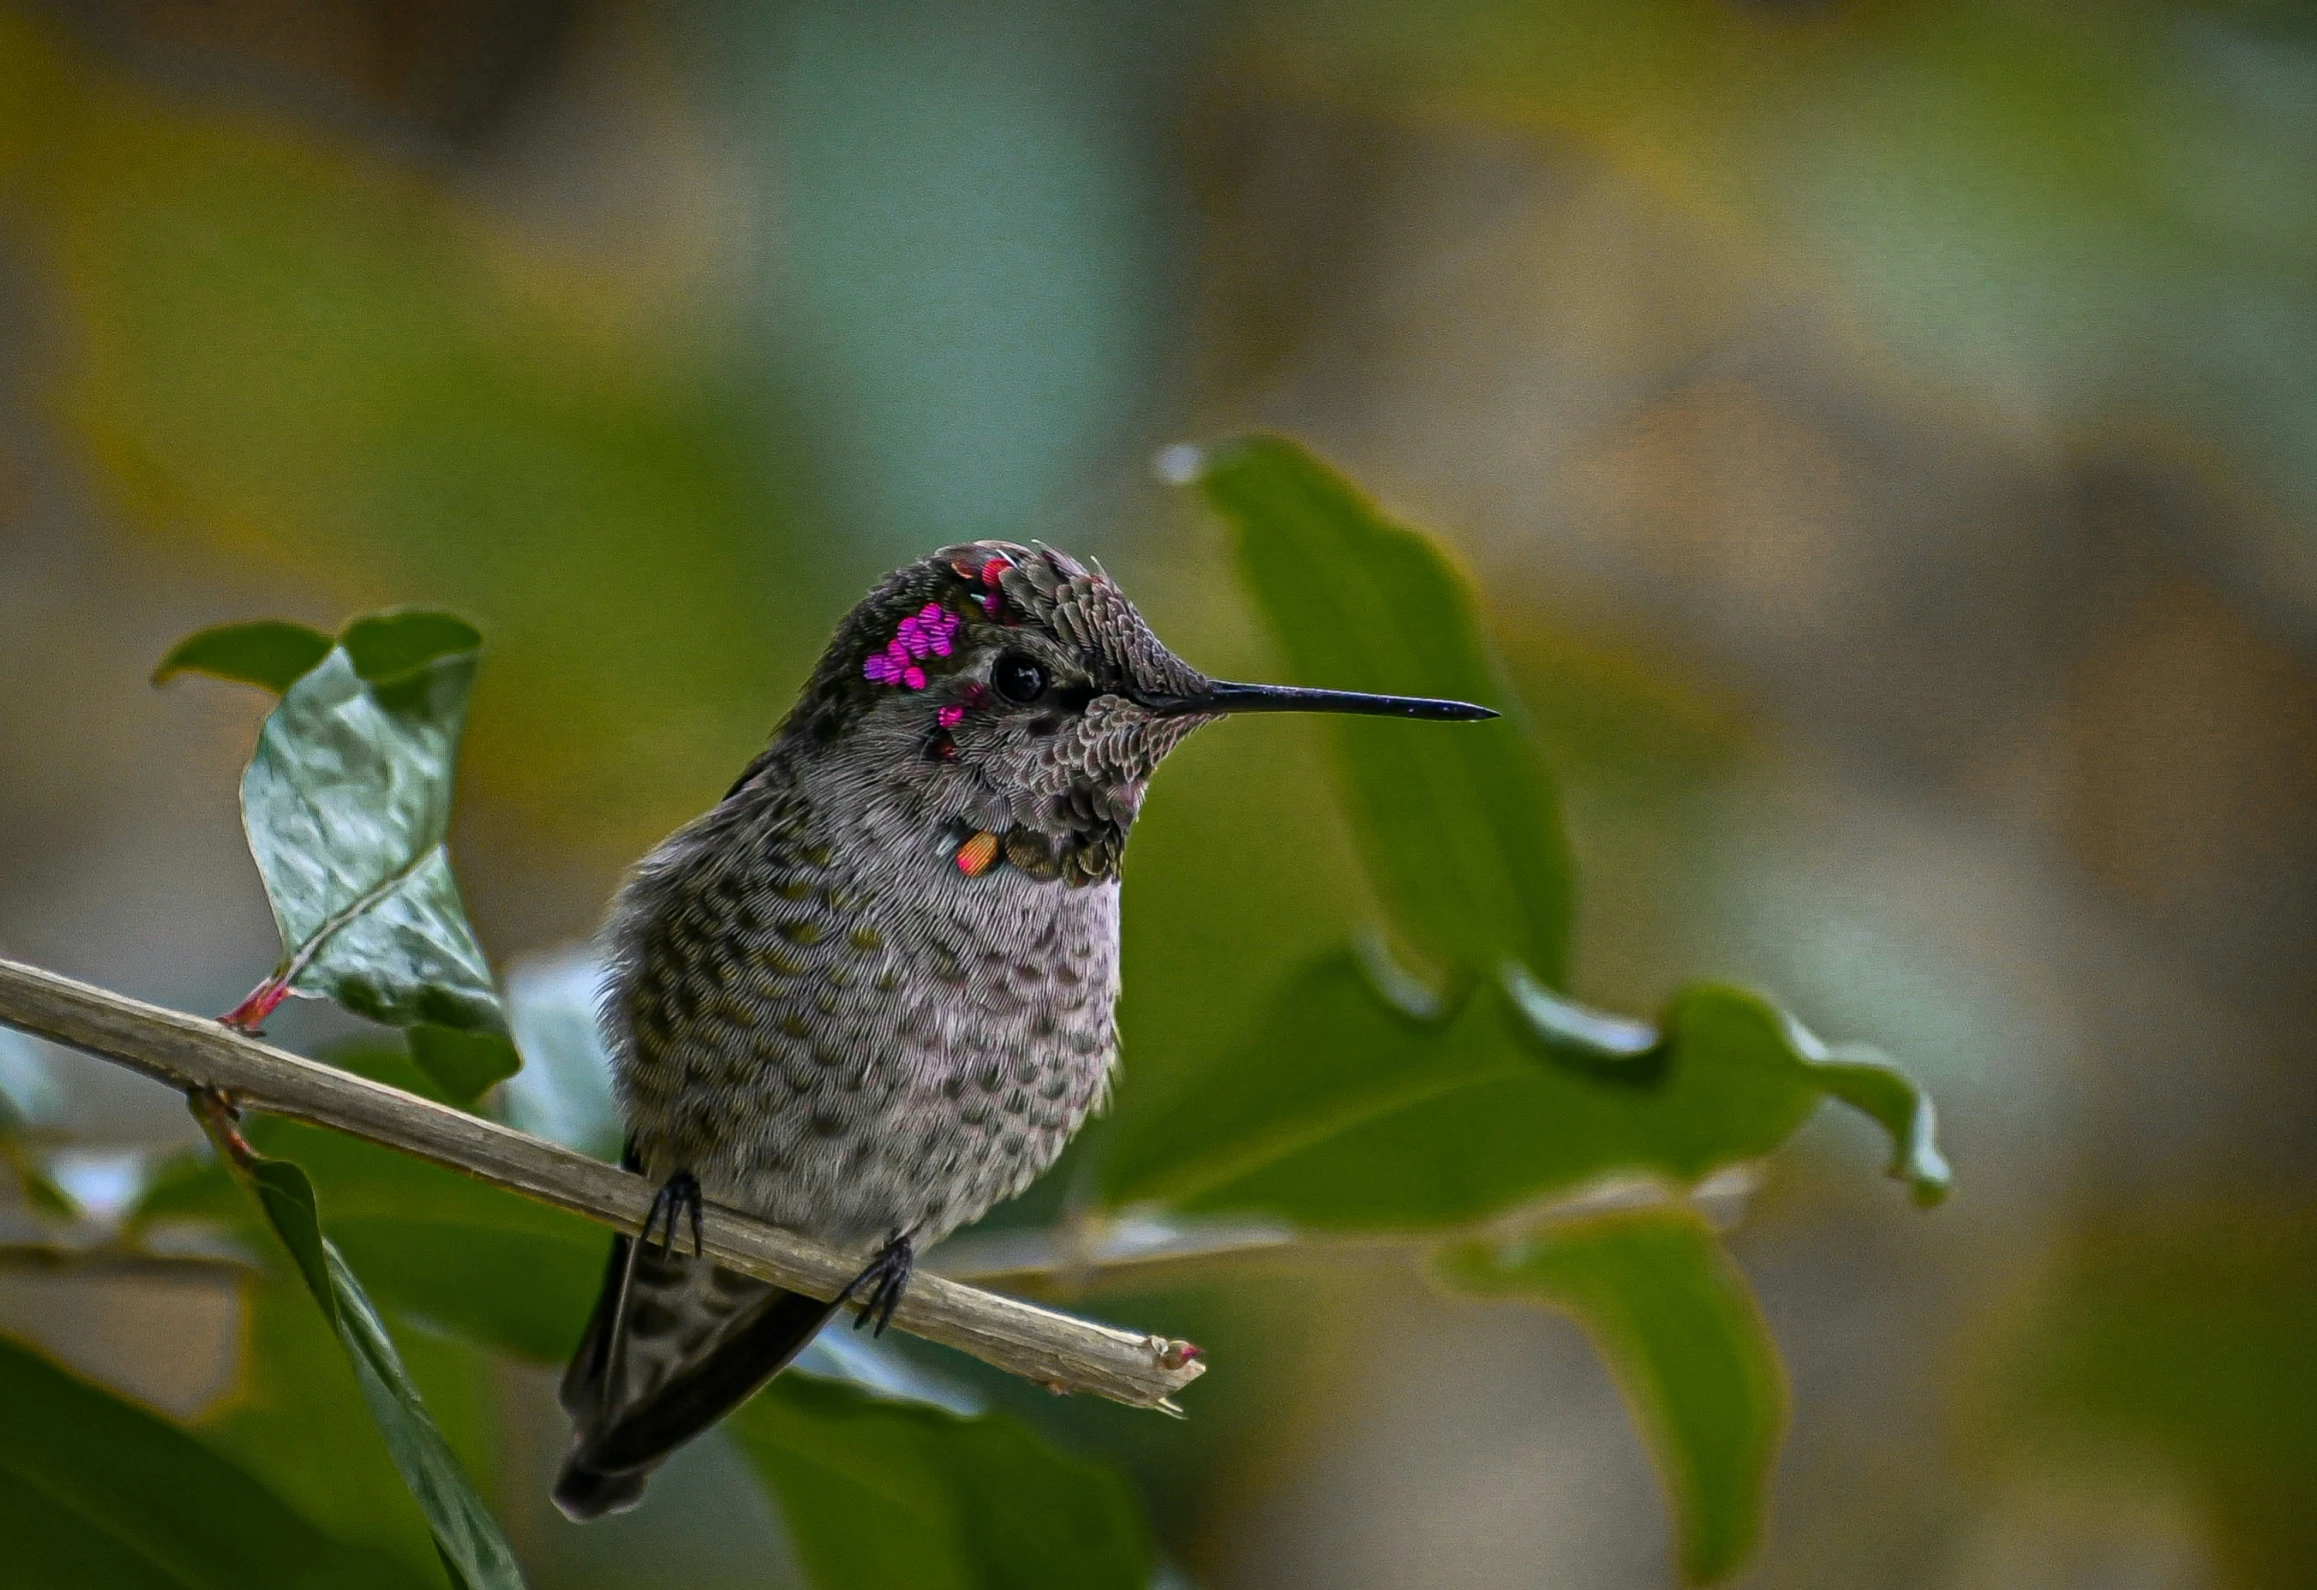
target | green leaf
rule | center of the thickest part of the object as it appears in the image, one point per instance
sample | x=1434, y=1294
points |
x=97, y=1492
x=1330, y=1058
x=1717, y=1024
x=464, y=1531
x=1346, y=1113
x=269, y=653
x=878, y=1492
x=1377, y=1102
x=452, y=1251
x=1680, y=1330
x=464, y=1061
x=1460, y=825
x=432, y=1246
x=297, y=1422
x=347, y=804
x=401, y=642
x=564, y=1091
x=430, y=1243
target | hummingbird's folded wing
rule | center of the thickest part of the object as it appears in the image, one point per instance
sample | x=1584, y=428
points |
x=675, y=1343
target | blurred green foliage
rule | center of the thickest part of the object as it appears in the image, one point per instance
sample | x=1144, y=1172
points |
x=2179, y=1341
x=2097, y=213
x=881, y=1492
x=310, y=365
x=95, y=1491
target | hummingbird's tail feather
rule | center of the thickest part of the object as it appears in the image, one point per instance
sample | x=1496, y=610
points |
x=676, y=1342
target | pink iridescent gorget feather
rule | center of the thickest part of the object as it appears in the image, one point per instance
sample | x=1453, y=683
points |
x=931, y=631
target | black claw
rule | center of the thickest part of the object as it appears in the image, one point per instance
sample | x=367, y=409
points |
x=678, y=1196
x=887, y=1277
x=879, y=1306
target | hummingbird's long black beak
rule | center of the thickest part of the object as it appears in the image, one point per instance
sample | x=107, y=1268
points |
x=1225, y=697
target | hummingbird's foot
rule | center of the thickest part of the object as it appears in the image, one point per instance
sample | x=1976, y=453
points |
x=887, y=1277
x=678, y=1196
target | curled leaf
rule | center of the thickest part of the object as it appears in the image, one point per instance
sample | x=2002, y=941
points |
x=1342, y=1112
x=347, y=803
x=1714, y=1024
x=405, y=641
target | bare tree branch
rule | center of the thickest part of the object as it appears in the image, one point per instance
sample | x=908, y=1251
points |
x=191, y=1053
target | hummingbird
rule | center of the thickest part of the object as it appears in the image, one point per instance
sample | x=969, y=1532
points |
x=871, y=993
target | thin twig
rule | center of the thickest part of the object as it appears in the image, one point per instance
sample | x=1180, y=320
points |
x=1065, y=1260
x=1077, y=1255
x=197, y=1055
x=110, y=1260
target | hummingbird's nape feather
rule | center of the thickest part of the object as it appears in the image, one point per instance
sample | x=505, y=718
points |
x=872, y=992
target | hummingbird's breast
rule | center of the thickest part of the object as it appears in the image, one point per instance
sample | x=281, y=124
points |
x=839, y=1027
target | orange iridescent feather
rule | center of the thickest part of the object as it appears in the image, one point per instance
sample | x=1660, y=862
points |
x=977, y=854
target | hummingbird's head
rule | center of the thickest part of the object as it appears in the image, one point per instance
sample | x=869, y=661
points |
x=1009, y=691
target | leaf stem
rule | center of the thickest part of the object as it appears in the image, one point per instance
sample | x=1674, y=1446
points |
x=221, y=1121
x=260, y=1002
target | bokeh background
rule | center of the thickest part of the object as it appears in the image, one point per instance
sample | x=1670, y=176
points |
x=1885, y=432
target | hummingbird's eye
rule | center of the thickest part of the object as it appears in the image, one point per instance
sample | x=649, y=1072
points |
x=1018, y=678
